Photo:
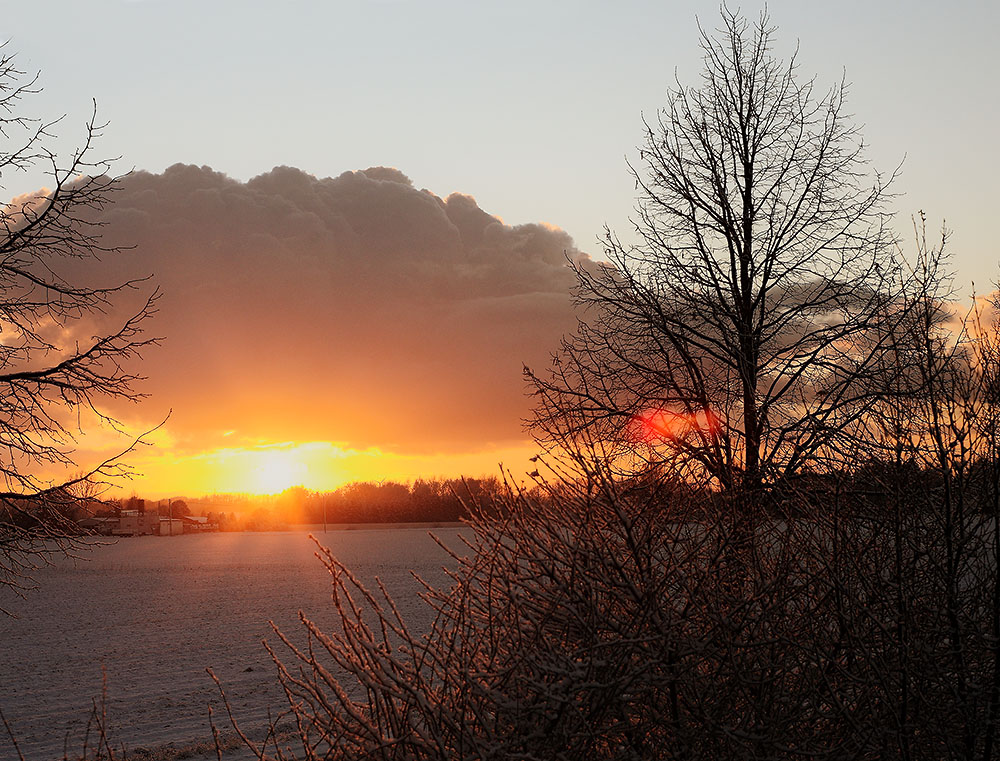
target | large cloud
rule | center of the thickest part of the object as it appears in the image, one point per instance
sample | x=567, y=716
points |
x=355, y=309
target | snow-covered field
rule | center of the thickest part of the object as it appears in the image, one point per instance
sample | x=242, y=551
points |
x=154, y=612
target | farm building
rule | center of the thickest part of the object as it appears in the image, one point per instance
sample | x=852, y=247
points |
x=198, y=523
x=137, y=523
x=171, y=527
x=103, y=525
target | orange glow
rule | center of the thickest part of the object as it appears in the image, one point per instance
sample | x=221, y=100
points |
x=270, y=468
x=661, y=424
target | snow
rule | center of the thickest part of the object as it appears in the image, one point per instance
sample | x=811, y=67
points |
x=154, y=612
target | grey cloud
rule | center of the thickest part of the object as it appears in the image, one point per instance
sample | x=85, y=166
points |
x=357, y=309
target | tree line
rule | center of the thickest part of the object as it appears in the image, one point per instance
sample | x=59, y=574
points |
x=431, y=500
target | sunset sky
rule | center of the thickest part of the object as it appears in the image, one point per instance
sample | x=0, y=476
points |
x=326, y=318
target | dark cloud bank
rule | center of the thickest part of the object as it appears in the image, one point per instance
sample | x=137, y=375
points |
x=355, y=309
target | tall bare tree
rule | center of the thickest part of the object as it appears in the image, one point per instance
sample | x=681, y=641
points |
x=65, y=351
x=737, y=333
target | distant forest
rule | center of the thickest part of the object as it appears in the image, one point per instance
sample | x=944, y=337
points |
x=423, y=500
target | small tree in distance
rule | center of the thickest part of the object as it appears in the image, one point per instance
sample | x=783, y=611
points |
x=64, y=352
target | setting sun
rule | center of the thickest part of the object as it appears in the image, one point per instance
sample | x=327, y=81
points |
x=276, y=471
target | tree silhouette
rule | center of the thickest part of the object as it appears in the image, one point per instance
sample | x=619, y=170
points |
x=738, y=336
x=64, y=352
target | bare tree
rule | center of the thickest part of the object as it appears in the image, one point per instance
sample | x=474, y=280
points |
x=65, y=351
x=736, y=335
